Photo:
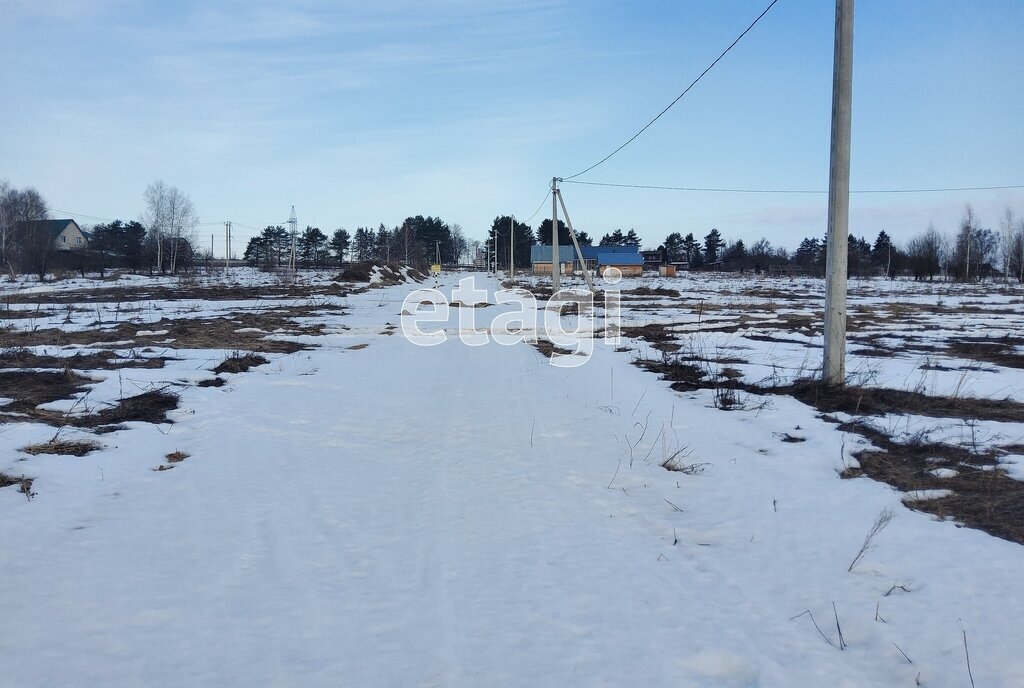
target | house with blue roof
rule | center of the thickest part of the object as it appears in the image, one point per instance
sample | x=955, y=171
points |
x=598, y=259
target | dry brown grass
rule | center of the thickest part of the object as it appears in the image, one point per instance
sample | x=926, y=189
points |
x=239, y=363
x=652, y=291
x=24, y=484
x=176, y=456
x=30, y=389
x=191, y=292
x=62, y=447
x=549, y=348
x=983, y=495
x=99, y=360
x=190, y=333
x=998, y=351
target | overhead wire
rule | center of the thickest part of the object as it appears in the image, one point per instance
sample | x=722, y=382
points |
x=546, y=196
x=83, y=215
x=680, y=96
x=795, y=191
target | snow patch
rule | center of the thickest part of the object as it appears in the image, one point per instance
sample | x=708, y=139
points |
x=921, y=495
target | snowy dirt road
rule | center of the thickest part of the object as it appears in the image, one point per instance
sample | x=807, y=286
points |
x=396, y=515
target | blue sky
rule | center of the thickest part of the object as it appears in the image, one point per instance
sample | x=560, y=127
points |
x=360, y=113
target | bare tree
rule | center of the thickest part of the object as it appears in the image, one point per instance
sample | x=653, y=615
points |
x=974, y=249
x=1017, y=251
x=1009, y=224
x=459, y=244
x=925, y=254
x=171, y=220
x=26, y=243
x=6, y=221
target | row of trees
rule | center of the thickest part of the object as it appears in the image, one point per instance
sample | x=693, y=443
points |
x=163, y=240
x=418, y=241
x=974, y=253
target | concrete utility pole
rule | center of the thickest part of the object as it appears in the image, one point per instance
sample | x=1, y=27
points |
x=556, y=268
x=512, y=247
x=575, y=242
x=834, y=362
x=227, y=245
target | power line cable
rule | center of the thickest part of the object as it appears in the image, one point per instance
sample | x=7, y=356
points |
x=679, y=97
x=83, y=215
x=795, y=191
x=546, y=196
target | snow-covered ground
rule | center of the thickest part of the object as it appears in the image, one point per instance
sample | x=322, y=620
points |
x=369, y=512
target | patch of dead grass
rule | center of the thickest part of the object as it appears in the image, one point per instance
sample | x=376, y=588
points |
x=24, y=484
x=62, y=447
x=239, y=363
x=983, y=495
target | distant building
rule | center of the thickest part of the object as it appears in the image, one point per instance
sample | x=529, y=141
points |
x=598, y=259
x=540, y=259
x=652, y=259
x=66, y=235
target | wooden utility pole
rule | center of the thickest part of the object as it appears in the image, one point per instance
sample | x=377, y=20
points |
x=556, y=269
x=834, y=362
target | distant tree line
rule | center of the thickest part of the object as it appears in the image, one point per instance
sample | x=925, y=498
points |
x=418, y=241
x=973, y=253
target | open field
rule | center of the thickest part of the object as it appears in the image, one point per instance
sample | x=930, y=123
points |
x=261, y=481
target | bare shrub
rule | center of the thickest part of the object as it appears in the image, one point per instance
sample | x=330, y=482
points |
x=884, y=517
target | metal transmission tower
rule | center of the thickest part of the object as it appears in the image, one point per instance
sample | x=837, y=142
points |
x=293, y=230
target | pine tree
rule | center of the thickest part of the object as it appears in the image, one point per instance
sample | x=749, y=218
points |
x=672, y=248
x=340, y=241
x=713, y=243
